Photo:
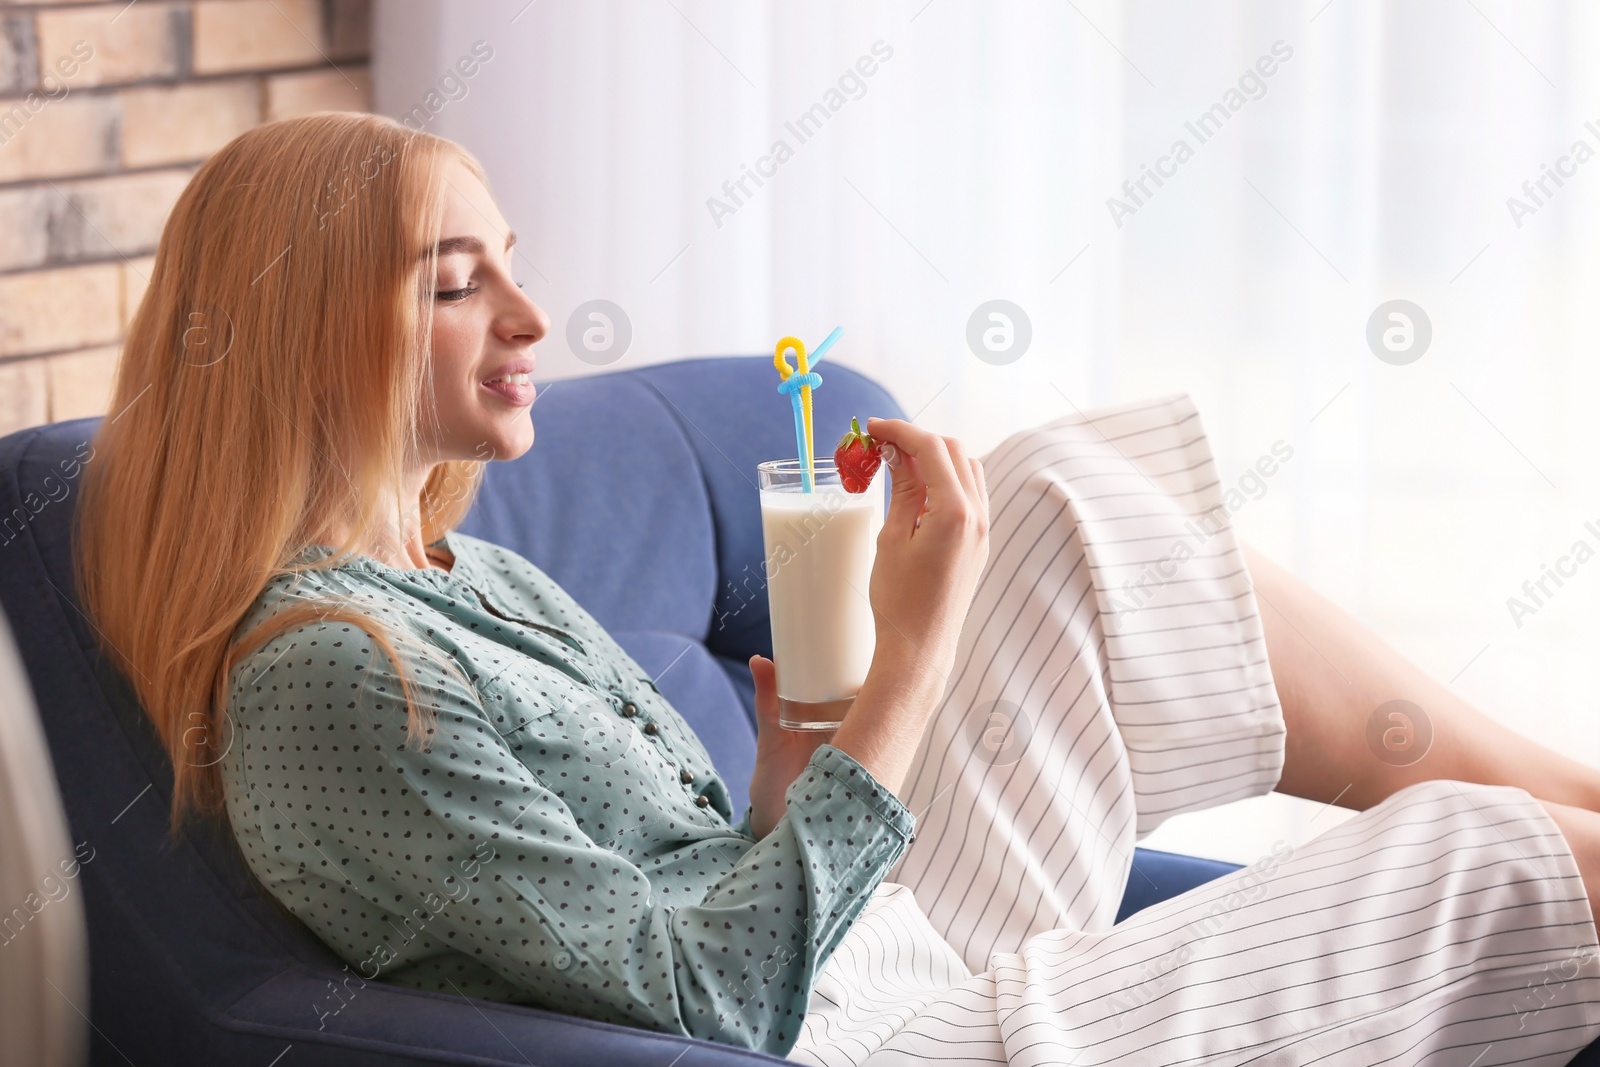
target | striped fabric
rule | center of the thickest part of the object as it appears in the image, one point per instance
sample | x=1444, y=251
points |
x=1112, y=672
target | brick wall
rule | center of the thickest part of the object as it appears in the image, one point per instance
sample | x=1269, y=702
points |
x=105, y=112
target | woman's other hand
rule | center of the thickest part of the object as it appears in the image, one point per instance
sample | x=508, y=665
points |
x=780, y=754
x=930, y=553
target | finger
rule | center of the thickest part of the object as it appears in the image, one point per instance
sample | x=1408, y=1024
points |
x=764, y=673
x=930, y=455
x=959, y=498
x=963, y=465
x=907, y=489
x=981, y=480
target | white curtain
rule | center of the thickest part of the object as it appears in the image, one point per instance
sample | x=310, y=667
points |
x=1339, y=155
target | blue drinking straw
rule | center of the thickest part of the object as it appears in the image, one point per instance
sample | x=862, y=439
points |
x=827, y=343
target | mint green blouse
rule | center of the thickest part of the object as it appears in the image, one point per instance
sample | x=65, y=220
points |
x=562, y=841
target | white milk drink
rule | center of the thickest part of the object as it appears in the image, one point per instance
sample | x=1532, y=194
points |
x=819, y=552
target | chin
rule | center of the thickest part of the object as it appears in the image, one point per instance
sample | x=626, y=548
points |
x=490, y=435
x=512, y=442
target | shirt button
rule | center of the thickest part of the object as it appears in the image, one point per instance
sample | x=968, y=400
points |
x=702, y=800
x=561, y=960
x=686, y=776
x=651, y=728
x=630, y=710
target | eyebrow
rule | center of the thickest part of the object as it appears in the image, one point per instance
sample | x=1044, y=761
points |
x=453, y=245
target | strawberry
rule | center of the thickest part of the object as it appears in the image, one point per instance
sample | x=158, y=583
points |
x=857, y=458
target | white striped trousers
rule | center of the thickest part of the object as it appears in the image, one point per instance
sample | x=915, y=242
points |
x=1111, y=673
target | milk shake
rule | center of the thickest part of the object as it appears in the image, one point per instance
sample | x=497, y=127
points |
x=819, y=552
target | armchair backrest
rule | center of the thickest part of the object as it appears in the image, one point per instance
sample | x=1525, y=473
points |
x=638, y=496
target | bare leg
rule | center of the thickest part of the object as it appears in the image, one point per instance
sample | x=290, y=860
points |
x=1581, y=828
x=1332, y=674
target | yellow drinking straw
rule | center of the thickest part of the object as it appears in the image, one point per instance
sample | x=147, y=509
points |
x=798, y=385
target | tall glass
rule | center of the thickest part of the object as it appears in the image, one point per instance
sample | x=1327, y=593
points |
x=819, y=552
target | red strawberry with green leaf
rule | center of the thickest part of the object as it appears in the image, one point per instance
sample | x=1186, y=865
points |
x=857, y=458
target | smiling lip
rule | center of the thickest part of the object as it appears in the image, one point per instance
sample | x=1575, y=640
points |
x=518, y=393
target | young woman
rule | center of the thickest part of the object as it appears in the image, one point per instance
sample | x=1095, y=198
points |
x=436, y=759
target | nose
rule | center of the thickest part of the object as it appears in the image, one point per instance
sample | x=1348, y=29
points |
x=526, y=322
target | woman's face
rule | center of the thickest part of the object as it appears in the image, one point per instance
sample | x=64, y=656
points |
x=484, y=329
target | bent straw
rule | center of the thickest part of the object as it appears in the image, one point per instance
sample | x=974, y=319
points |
x=804, y=381
x=827, y=343
x=816, y=357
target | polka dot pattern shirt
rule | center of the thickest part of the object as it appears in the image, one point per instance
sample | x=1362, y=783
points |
x=562, y=840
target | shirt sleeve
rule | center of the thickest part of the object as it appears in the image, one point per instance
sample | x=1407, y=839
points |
x=745, y=827
x=525, y=891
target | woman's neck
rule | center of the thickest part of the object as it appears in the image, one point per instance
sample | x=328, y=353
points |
x=404, y=552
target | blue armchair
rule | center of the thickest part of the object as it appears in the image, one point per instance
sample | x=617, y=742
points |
x=638, y=498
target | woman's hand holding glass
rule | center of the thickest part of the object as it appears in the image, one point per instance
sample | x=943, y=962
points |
x=930, y=553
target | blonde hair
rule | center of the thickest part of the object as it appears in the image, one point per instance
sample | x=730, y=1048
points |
x=274, y=381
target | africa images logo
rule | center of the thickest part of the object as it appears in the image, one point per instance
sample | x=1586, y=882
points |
x=1252, y=85
x=851, y=85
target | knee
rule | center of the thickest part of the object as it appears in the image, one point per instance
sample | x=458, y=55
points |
x=1443, y=798
x=1581, y=831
